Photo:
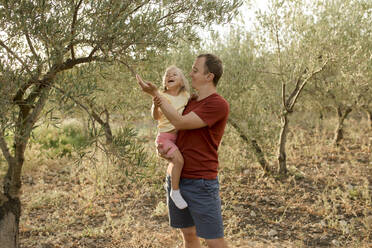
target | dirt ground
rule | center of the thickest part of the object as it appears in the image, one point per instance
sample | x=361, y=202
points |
x=325, y=201
x=327, y=204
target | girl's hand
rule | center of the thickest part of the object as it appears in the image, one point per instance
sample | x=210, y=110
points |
x=157, y=101
x=147, y=87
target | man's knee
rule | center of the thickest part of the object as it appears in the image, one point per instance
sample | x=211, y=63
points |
x=189, y=233
x=216, y=243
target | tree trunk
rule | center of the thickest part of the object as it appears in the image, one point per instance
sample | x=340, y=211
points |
x=369, y=115
x=10, y=205
x=253, y=143
x=259, y=155
x=10, y=212
x=339, y=132
x=282, y=156
x=105, y=125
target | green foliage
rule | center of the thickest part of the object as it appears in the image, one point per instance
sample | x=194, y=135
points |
x=129, y=150
x=291, y=41
x=60, y=142
x=41, y=40
x=346, y=26
x=249, y=90
x=130, y=29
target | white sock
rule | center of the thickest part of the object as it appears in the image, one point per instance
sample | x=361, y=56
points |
x=178, y=199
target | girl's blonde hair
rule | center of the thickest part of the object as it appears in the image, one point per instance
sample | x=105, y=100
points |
x=184, y=87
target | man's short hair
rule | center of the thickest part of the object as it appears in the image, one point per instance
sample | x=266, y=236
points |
x=213, y=64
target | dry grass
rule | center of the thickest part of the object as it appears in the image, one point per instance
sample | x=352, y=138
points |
x=324, y=202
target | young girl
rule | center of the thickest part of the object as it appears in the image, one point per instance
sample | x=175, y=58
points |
x=176, y=90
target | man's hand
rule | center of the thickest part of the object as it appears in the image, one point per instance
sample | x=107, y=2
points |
x=147, y=87
x=194, y=96
x=163, y=153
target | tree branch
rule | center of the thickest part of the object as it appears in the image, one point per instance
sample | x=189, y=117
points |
x=138, y=7
x=295, y=89
x=256, y=148
x=283, y=95
x=31, y=119
x=29, y=42
x=26, y=105
x=280, y=67
x=4, y=148
x=292, y=102
x=19, y=95
x=74, y=18
x=72, y=98
x=45, y=82
x=77, y=102
x=179, y=10
x=105, y=125
x=278, y=49
x=130, y=68
x=93, y=51
x=15, y=56
x=70, y=63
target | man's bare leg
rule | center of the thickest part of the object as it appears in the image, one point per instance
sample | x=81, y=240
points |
x=216, y=243
x=190, y=239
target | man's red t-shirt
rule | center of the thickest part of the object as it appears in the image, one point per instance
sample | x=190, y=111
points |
x=199, y=146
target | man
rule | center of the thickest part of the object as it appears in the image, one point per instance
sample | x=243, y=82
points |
x=200, y=131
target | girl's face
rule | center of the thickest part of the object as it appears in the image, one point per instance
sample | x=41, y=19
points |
x=173, y=80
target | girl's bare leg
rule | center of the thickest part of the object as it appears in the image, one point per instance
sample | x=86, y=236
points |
x=175, y=173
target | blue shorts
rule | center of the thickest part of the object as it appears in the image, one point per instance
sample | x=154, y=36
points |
x=204, y=207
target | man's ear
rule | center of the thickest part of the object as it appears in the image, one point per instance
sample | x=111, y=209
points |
x=210, y=76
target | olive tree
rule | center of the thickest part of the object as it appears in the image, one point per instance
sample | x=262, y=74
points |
x=241, y=85
x=287, y=29
x=346, y=84
x=40, y=40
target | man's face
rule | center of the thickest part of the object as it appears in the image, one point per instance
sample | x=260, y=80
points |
x=197, y=74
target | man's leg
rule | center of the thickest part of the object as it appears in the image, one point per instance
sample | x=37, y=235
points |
x=190, y=239
x=216, y=243
x=204, y=201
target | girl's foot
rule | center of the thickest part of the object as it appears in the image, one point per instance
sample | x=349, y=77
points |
x=178, y=199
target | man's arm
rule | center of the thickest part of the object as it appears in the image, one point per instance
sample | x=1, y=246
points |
x=180, y=122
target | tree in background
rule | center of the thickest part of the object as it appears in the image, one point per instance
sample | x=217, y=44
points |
x=346, y=84
x=241, y=86
x=299, y=53
x=271, y=74
x=309, y=41
x=41, y=40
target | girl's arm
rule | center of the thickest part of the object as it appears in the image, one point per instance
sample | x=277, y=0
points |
x=155, y=111
x=180, y=122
